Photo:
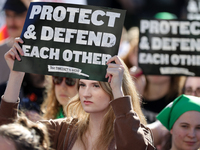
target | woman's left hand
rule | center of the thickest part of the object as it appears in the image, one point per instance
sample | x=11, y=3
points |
x=115, y=73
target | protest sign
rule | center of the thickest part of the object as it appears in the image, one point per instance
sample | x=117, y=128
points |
x=70, y=40
x=83, y=2
x=169, y=47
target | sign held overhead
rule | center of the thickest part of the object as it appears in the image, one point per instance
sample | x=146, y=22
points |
x=70, y=40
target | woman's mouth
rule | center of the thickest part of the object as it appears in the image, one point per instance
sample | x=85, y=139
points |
x=63, y=95
x=190, y=143
x=87, y=102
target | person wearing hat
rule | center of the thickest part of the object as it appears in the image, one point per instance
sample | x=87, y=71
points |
x=15, y=15
x=15, y=11
x=33, y=85
x=182, y=118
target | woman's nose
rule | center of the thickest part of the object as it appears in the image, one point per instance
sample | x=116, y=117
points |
x=63, y=84
x=191, y=133
x=87, y=92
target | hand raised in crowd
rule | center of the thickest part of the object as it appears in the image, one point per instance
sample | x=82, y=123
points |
x=12, y=54
x=115, y=73
x=15, y=78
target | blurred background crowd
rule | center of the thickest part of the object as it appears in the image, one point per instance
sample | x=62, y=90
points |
x=46, y=96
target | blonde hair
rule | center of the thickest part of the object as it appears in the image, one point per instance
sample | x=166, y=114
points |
x=133, y=39
x=50, y=104
x=75, y=109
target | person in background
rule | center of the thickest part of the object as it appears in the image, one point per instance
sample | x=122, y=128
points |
x=159, y=91
x=192, y=86
x=59, y=91
x=130, y=57
x=24, y=135
x=161, y=134
x=182, y=118
x=124, y=43
x=32, y=95
x=131, y=60
x=15, y=15
x=32, y=88
x=104, y=115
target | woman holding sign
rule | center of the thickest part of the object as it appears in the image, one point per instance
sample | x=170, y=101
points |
x=103, y=117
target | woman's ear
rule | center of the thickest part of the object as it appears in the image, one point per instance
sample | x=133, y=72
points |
x=171, y=131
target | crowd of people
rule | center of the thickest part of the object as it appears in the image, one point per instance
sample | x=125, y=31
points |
x=130, y=111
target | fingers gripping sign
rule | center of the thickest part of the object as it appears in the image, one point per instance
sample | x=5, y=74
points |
x=14, y=53
x=115, y=73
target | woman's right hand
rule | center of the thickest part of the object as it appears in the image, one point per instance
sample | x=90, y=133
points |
x=12, y=54
x=15, y=79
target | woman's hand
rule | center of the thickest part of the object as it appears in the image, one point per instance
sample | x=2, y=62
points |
x=15, y=79
x=115, y=73
x=12, y=54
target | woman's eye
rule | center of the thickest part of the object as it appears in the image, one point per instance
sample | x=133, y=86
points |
x=96, y=85
x=81, y=84
x=184, y=126
x=198, y=128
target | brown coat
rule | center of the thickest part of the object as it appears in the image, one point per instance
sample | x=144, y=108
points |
x=129, y=133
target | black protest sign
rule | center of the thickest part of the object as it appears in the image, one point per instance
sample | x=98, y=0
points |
x=169, y=47
x=70, y=40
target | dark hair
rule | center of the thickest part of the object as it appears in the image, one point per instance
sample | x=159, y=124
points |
x=15, y=5
x=167, y=144
x=175, y=89
x=26, y=134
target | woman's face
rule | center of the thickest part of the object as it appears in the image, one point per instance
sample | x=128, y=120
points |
x=6, y=144
x=93, y=98
x=192, y=86
x=64, y=92
x=186, y=132
x=15, y=23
